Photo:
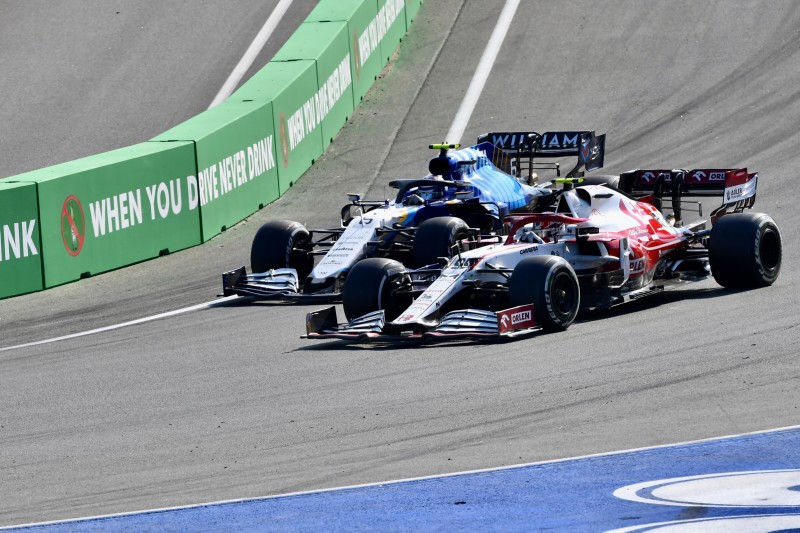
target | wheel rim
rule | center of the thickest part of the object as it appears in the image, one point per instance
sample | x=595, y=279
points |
x=563, y=294
x=299, y=258
x=390, y=301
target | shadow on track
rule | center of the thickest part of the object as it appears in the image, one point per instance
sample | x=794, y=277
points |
x=650, y=302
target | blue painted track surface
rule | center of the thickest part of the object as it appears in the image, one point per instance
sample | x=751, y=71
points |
x=569, y=495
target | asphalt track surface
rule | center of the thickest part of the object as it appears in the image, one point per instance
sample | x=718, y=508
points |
x=229, y=402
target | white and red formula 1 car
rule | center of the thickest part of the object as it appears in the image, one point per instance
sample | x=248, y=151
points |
x=594, y=246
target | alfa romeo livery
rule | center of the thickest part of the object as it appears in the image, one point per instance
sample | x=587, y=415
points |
x=592, y=246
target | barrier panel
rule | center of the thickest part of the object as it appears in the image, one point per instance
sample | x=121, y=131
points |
x=391, y=26
x=412, y=8
x=236, y=173
x=183, y=187
x=361, y=18
x=116, y=208
x=20, y=243
x=327, y=44
x=291, y=87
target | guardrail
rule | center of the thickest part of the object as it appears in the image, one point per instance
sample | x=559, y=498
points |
x=180, y=189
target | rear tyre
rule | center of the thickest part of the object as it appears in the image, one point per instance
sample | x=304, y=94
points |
x=550, y=284
x=745, y=251
x=435, y=238
x=372, y=285
x=282, y=244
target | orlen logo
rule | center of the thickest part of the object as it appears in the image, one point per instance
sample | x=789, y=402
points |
x=717, y=176
x=637, y=266
x=73, y=225
x=522, y=316
x=647, y=176
x=699, y=175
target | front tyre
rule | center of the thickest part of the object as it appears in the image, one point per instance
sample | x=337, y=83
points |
x=435, y=238
x=550, y=284
x=371, y=285
x=745, y=251
x=282, y=244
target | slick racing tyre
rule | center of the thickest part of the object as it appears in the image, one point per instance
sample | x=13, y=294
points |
x=372, y=285
x=435, y=238
x=550, y=284
x=745, y=250
x=282, y=244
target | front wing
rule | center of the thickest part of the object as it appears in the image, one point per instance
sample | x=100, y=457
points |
x=277, y=284
x=465, y=324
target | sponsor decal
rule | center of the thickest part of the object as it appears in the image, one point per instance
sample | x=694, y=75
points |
x=560, y=140
x=332, y=90
x=637, y=266
x=516, y=318
x=73, y=226
x=373, y=34
x=164, y=199
x=16, y=240
x=647, y=176
x=589, y=152
x=297, y=126
x=767, y=490
x=529, y=250
x=511, y=140
x=700, y=175
x=717, y=176
x=740, y=192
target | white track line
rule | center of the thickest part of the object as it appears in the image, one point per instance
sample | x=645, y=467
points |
x=206, y=305
x=482, y=72
x=227, y=89
x=406, y=480
x=252, y=52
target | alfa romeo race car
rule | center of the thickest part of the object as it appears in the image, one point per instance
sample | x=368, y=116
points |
x=594, y=246
x=475, y=188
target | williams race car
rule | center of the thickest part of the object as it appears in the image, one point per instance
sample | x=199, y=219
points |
x=595, y=247
x=475, y=188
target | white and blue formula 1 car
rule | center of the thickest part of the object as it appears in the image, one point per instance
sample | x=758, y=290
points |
x=466, y=195
x=595, y=246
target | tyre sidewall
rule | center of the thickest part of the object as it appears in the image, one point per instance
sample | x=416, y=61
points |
x=273, y=245
x=741, y=247
x=435, y=237
x=368, y=287
x=535, y=280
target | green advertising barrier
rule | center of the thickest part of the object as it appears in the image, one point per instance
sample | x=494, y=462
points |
x=412, y=8
x=117, y=208
x=291, y=87
x=362, y=30
x=327, y=44
x=20, y=243
x=391, y=26
x=235, y=157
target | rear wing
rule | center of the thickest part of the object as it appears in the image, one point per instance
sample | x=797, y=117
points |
x=512, y=151
x=736, y=186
